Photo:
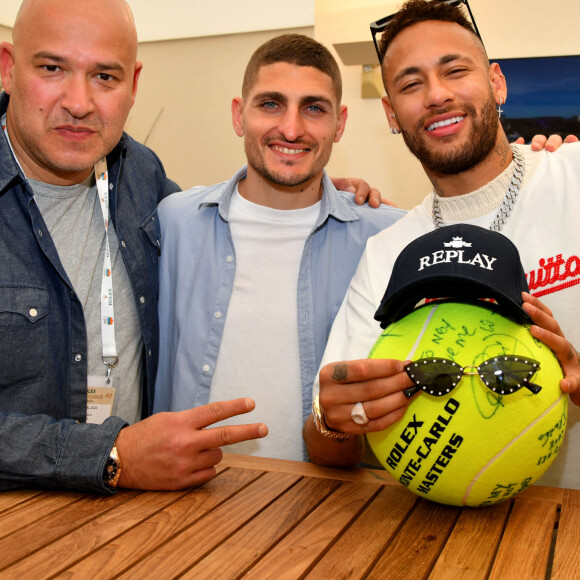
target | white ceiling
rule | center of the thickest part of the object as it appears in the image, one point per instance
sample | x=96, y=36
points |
x=170, y=19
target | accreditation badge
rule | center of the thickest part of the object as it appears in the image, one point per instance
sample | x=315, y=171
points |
x=100, y=398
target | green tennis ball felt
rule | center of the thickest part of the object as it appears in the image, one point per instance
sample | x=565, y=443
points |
x=470, y=446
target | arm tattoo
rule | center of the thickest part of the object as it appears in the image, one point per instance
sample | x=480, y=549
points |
x=339, y=372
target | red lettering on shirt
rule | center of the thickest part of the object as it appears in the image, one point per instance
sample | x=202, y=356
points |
x=554, y=274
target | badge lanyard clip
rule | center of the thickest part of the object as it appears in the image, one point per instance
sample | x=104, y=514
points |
x=110, y=358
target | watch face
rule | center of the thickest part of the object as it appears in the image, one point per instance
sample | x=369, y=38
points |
x=110, y=469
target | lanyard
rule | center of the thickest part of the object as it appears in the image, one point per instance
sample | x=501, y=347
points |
x=107, y=310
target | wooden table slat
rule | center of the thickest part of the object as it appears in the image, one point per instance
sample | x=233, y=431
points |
x=307, y=469
x=470, y=550
x=353, y=555
x=567, y=555
x=14, y=497
x=301, y=548
x=37, y=507
x=419, y=542
x=184, y=550
x=525, y=546
x=174, y=512
x=35, y=536
x=82, y=541
x=244, y=548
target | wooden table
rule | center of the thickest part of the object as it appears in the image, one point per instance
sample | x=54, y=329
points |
x=265, y=518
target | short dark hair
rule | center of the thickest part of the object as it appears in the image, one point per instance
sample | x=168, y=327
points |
x=294, y=49
x=415, y=11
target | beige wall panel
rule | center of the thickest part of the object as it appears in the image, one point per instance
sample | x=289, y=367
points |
x=5, y=34
x=183, y=105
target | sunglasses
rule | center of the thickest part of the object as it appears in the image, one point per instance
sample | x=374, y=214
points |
x=504, y=374
x=378, y=27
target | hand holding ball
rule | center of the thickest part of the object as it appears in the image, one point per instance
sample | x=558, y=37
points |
x=489, y=416
x=471, y=445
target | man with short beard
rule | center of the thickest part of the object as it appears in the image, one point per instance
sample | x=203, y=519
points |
x=254, y=270
x=441, y=95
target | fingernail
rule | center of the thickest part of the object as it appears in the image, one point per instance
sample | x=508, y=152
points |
x=263, y=431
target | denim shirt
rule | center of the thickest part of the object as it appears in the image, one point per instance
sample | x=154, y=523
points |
x=44, y=440
x=197, y=271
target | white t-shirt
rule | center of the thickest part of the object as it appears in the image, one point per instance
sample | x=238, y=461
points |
x=259, y=356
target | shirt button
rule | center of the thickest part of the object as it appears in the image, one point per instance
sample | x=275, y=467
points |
x=111, y=186
x=218, y=315
x=123, y=243
x=33, y=312
x=78, y=357
x=149, y=352
x=229, y=259
x=142, y=299
x=40, y=233
x=205, y=368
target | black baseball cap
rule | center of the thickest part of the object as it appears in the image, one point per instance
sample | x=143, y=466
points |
x=456, y=262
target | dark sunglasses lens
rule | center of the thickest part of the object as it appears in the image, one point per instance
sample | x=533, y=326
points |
x=507, y=375
x=434, y=377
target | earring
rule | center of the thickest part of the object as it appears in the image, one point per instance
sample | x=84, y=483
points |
x=394, y=131
x=499, y=109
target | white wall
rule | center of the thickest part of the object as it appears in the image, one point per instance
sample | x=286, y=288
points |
x=173, y=19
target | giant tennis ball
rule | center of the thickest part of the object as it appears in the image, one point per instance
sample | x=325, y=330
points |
x=471, y=446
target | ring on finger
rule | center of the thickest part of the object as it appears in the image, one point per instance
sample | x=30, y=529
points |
x=358, y=414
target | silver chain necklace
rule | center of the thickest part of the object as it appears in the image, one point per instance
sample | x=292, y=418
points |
x=509, y=200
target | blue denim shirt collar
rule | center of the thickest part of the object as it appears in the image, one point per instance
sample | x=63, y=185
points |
x=7, y=161
x=332, y=204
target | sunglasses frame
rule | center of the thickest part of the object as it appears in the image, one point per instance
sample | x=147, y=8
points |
x=461, y=371
x=379, y=26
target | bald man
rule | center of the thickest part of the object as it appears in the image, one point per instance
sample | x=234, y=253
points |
x=79, y=243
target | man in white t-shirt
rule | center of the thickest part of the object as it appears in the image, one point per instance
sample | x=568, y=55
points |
x=442, y=95
x=254, y=270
